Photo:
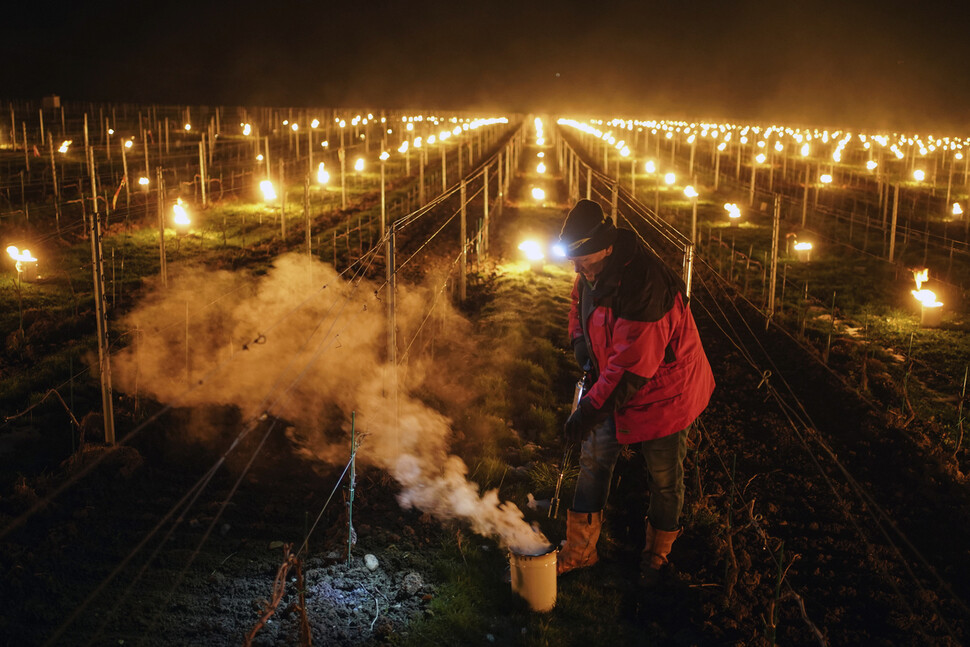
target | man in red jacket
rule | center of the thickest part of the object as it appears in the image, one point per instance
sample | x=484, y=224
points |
x=633, y=332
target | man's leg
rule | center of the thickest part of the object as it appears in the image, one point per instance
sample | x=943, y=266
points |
x=665, y=465
x=596, y=462
x=598, y=455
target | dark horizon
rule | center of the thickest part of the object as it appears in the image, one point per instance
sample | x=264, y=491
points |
x=868, y=65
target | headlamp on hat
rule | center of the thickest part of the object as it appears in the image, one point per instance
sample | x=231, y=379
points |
x=586, y=230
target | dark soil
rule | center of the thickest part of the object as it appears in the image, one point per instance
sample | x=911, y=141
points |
x=812, y=516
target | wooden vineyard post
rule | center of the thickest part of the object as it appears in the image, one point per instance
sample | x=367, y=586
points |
x=421, y=161
x=160, y=185
x=805, y=198
x=57, y=191
x=754, y=178
x=463, y=264
x=342, y=154
x=100, y=308
x=306, y=212
x=202, y=181
x=266, y=153
x=485, y=207
x=776, y=224
x=391, y=289
x=498, y=185
x=384, y=157
x=444, y=167
x=717, y=166
x=124, y=167
x=26, y=154
x=282, y=202
x=892, y=226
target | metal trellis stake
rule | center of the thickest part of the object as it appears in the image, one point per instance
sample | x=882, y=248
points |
x=353, y=484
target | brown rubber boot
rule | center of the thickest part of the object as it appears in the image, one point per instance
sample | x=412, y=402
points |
x=582, y=533
x=655, y=551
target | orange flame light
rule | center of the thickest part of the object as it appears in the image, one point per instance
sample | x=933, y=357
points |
x=181, y=216
x=20, y=257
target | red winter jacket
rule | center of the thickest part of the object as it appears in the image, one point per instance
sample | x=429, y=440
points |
x=650, y=368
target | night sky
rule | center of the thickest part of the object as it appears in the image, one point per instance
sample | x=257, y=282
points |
x=860, y=64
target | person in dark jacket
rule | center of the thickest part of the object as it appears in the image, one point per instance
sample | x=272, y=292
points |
x=633, y=333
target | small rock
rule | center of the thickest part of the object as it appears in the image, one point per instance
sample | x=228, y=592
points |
x=412, y=583
x=370, y=561
x=490, y=638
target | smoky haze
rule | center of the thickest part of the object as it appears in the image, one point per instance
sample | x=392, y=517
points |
x=866, y=64
x=301, y=341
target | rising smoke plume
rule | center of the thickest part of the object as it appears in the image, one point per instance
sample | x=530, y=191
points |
x=300, y=340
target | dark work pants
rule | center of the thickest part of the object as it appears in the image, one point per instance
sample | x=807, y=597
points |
x=664, y=458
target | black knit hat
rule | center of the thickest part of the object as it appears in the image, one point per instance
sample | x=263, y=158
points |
x=587, y=229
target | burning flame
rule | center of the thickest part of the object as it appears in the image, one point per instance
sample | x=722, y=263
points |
x=181, y=216
x=541, y=168
x=64, y=146
x=733, y=210
x=690, y=192
x=802, y=247
x=670, y=178
x=269, y=193
x=538, y=194
x=20, y=256
x=921, y=276
x=322, y=176
x=532, y=250
x=247, y=130
x=927, y=298
x=143, y=181
x=359, y=164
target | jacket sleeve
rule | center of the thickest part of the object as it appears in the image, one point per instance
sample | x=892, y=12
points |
x=636, y=351
x=575, y=328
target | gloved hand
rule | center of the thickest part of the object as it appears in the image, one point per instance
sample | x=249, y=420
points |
x=580, y=423
x=581, y=351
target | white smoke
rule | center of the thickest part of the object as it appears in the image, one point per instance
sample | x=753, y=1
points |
x=298, y=341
